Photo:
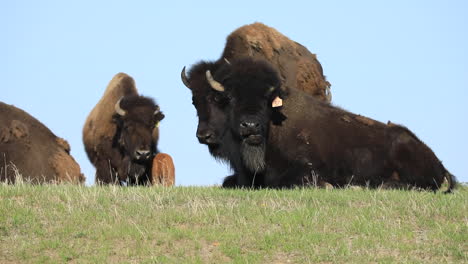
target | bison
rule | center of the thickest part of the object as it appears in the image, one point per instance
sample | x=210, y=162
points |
x=290, y=138
x=299, y=69
x=121, y=134
x=163, y=171
x=31, y=152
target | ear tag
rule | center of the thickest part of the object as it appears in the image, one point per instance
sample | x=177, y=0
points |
x=277, y=102
x=157, y=124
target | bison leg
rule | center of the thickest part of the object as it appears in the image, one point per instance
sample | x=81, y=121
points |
x=230, y=182
x=246, y=180
x=105, y=173
x=138, y=174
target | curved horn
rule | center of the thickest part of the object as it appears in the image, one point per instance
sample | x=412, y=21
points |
x=184, y=78
x=119, y=110
x=214, y=84
x=227, y=61
x=156, y=111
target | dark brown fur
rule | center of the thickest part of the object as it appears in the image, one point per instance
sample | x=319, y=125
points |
x=299, y=69
x=29, y=150
x=113, y=141
x=307, y=140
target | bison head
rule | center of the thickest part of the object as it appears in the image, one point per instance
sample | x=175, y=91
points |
x=251, y=89
x=137, y=119
x=210, y=106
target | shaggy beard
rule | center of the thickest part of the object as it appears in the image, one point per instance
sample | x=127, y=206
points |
x=253, y=157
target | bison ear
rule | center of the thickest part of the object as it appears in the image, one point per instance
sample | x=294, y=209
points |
x=158, y=117
x=156, y=110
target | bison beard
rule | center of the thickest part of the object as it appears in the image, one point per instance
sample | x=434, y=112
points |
x=253, y=156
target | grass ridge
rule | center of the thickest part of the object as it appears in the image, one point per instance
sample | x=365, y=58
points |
x=65, y=223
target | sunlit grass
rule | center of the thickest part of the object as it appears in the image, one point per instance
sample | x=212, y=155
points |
x=61, y=223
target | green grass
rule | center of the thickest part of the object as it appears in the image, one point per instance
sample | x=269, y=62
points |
x=57, y=224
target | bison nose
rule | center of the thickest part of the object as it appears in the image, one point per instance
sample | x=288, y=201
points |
x=142, y=154
x=249, y=125
x=204, y=136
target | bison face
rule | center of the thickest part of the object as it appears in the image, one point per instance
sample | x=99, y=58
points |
x=210, y=107
x=251, y=88
x=212, y=120
x=137, y=119
x=249, y=122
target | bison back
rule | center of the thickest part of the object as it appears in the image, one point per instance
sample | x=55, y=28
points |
x=29, y=150
x=298, y=67
x=163, y=171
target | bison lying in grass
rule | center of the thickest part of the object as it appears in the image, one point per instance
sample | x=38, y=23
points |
x=121, y=135
x=28, y=149
x=289, y=138
x=299, y=69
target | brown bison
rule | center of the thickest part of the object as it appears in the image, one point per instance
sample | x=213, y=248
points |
x=30, y=151
x=121, y=134
x=290, y=138
x=163, y=171
x=299, y=69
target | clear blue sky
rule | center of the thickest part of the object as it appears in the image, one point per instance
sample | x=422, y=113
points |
x=404, y=61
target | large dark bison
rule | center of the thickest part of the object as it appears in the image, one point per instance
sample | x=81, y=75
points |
x=31, y=152
x=299, y=69
x=121, y=134
x=291, y=138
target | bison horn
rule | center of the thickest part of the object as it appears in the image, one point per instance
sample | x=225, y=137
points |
x=214, y=84
x=227, y=61
x=184, y=78
x=156, y=111
x=118, y=109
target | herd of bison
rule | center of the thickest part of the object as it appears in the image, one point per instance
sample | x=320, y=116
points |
x=264, y=107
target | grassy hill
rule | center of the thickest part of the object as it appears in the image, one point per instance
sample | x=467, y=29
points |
x=44, y=224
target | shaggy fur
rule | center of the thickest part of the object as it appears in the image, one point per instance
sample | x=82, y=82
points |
x=299, y=69
x=163, y=172
x=297, y=66
x=30, y=150
x=112, y=141
x=307, y=135
x=253, y=157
